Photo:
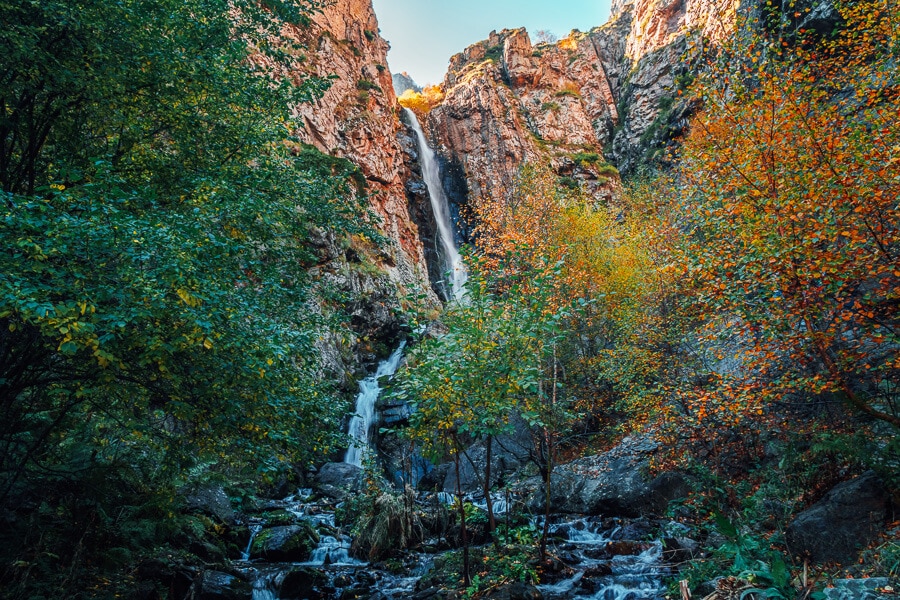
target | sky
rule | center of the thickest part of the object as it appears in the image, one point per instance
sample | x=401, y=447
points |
x=424, y=34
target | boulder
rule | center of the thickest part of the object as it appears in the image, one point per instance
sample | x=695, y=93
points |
x=849, y=516
x=336, y=479
x=216, y=585
x=210, y=500
x=858, y=589
x=508, y=454
x=614, y=483
x=515, y=591
x=303, y=583
x=289, y=543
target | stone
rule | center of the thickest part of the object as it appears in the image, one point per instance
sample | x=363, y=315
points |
x=515, y=591
x=303, y=583
x=336, y=479
x=288, y=543
x=216, y=585
x=210, y=500
x=873, y=588
x=614, y=483
x=849, y=516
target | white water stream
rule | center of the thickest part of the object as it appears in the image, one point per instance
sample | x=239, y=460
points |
x=441, y=208
x=364, y=416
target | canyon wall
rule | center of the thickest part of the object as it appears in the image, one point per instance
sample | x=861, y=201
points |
x=609, y=95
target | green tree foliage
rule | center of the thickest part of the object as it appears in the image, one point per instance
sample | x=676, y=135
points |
x=154, y=305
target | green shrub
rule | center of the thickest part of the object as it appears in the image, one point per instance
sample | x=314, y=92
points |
x=567, y=92
x=367, y=84
x=494, y=53
x=554, y=106
x=586, y=158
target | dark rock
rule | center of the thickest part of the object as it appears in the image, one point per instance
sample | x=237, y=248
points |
x=216, y=585
x=847, y=518
x=508, y=454
x=289, y=543
x=145, y=590
x=679, y=549
x=858, y=589
x=614, y=483
x=626, y=547
x=515, y=591
x=208, y=552
x=303, y=583
x=336, y=479
x=210, y=500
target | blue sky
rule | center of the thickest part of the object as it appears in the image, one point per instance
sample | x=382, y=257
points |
x=424, y=34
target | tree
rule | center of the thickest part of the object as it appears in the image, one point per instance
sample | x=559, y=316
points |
x=155, y=310
x=788, y=189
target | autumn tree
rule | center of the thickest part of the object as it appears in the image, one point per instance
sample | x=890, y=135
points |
x=789, y=186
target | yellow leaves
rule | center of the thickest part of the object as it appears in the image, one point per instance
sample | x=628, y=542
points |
x=188, y=298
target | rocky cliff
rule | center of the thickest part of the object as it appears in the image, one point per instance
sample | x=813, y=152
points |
x=357, y=120
x=605, y=96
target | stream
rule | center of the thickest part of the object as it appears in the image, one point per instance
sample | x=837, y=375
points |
x=599, y=562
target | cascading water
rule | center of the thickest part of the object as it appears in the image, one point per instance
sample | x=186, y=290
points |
x=441, y=209
x=365, y=407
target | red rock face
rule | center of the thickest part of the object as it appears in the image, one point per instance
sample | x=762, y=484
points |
x=357, y=119
x=508, y=101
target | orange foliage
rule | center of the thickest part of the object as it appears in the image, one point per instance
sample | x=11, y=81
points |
x=789, y=187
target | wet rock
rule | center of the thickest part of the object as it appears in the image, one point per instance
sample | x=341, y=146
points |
x=288, y=543
x=847, y=518
x=859, y=589
x=614, y=483
x=216, y=585
x=679, y=549
x=303, y=583
x=515, y=591
x=210, y=500
x=626, y=547
x=336, y=479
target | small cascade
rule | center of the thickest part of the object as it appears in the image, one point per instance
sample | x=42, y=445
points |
x=265, y=586
x=603, y=572
x=441, y=209
x=364, y=416
x=255, y=528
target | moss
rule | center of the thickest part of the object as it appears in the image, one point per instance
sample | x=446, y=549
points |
x=554, y=106
x=278, y=517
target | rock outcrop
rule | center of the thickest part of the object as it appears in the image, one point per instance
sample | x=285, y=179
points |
x=357, y=119
x=614, y=483
x=608, y=95
x=846, y=519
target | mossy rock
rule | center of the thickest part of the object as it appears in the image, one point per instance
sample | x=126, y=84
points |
x=287, y=543
x=274, y=518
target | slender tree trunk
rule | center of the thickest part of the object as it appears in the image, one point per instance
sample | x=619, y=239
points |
x=487, y=488
x=462, y=521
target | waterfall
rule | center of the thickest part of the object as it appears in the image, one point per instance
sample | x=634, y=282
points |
x=365, y=407
x=441, y=209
